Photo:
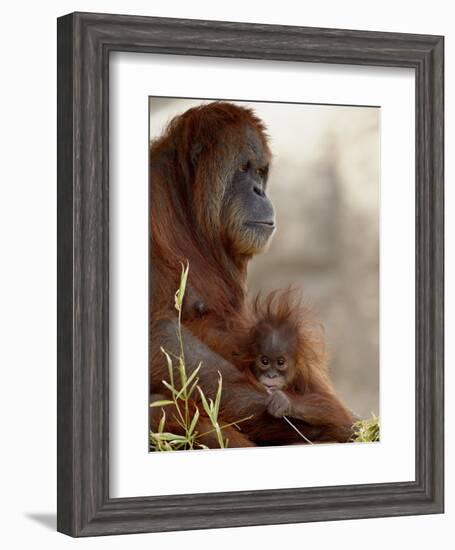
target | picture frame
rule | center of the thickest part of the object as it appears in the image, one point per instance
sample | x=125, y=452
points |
x=84, y=506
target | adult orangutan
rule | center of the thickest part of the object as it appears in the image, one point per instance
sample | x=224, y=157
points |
x=209, y=206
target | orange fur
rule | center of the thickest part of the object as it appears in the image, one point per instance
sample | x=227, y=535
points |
x=282, y=308
x=186, y=202
x=186, y=199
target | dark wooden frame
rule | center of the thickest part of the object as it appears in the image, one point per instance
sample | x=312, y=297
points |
x=84, y=43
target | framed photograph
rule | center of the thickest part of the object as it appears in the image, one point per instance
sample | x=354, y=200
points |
x=250, y=274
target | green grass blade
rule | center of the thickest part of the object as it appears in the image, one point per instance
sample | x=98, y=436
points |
x=168, y=436
x=186, y=384
x=170, y=388
x=182, y=287
x=204, y=402
x=194, y=421
x=170, y=365
x=161, y=403
x=218, y=395
x=162, y=422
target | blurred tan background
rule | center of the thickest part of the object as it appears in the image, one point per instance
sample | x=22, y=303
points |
x=324, y=183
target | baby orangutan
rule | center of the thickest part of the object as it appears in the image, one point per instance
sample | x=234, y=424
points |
x=284, y=352
x=275, y=367
x=278, y=351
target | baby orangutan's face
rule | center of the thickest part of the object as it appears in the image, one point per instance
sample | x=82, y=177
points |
x=274, y=366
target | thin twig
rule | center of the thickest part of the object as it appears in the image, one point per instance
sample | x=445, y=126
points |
x=297, y=430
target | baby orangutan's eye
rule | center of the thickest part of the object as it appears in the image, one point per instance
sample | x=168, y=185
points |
x=265, y=360
x=281, y=361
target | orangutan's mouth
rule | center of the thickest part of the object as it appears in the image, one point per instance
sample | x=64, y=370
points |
x=268, y=224
x=274, y=387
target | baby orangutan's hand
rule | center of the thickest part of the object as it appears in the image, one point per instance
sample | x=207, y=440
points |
x=278, y=404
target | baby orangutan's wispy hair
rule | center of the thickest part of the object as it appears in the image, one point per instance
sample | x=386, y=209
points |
x=286, y=311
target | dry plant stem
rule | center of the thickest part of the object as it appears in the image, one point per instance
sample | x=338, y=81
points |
x=297, y=430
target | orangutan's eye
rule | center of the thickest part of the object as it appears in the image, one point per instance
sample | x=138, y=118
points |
x=265, y=360
x=262, y=172
x=281, y=361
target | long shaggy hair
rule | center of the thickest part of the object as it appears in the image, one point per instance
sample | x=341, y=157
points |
x=285, y=310
x=191, y=166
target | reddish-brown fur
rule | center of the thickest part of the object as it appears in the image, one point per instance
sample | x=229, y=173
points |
x=185, y=204
x=281, y=309
x=185, y=225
